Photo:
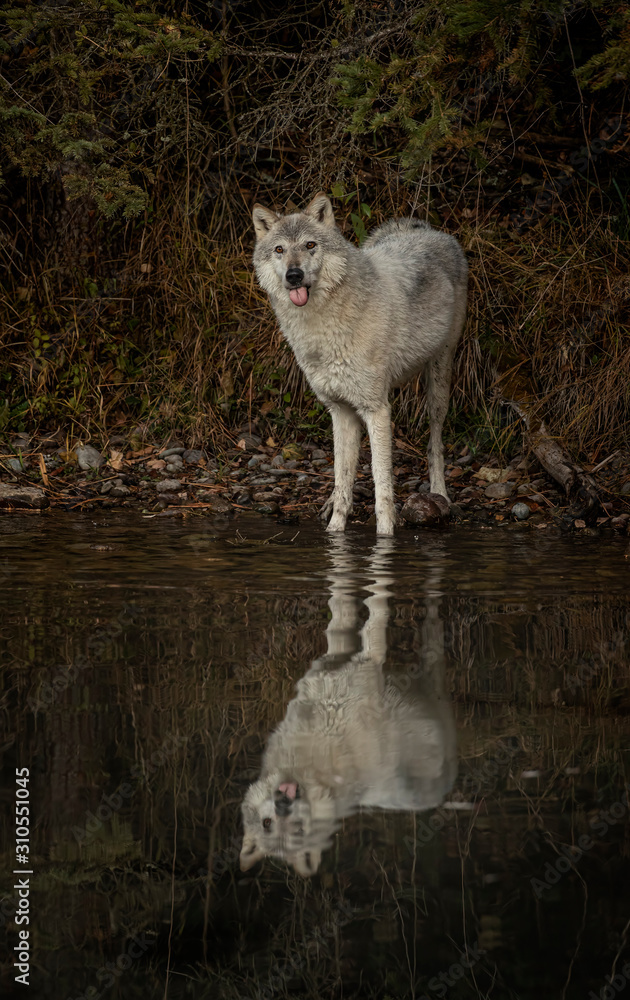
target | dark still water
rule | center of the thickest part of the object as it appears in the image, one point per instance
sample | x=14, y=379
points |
x=258, y=767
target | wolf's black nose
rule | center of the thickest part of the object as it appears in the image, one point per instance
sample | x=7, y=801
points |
x=283, y=805
x=295, y=276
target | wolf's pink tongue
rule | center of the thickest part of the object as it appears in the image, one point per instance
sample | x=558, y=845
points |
x=289, y=788
x=299, y=296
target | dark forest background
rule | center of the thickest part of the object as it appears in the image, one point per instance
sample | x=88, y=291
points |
x=135, y=137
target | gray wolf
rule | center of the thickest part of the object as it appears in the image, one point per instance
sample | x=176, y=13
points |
x=361, y=321
x=353, y=737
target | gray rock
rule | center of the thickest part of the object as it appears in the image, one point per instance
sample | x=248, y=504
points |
x=465, y=460
x=15, y=464
x=219, y=505
x=317, y=453
x=88, y=457
x=499, y=491
x=263, y=481
x=22, y=497
x=411, y=484
x=255, y=461
x=107, y=487
x=168, y=484
x=175, y=460
x=429, y=509
x=277, y=462
x=302, y=479
x=319, y=461
x=625, y=489
x=524, y=489
x=20, y=442
x=520, y=511
x=119, y=490
x=269, y=507
x=252, y=441
x=193, y=456
x=171, y=451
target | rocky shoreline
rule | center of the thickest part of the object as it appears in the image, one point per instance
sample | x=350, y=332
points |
x=291, y=483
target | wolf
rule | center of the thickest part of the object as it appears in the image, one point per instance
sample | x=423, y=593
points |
x=360, y=321
x=354, y=736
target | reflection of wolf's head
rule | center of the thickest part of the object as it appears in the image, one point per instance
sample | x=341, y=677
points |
x=286, y=820
x=353, y=737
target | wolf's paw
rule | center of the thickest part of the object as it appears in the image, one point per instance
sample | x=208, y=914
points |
x=327, y=509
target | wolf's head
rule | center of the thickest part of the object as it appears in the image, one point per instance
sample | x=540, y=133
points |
x=299, y=255
x=284, y=819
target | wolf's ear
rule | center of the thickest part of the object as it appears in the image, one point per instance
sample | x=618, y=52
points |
x=321, y=210
x=306, y=863
x=264, y=219
x=251, y=853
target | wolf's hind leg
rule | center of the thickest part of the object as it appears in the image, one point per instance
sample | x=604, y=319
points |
x=346, y=438
x=438, y=383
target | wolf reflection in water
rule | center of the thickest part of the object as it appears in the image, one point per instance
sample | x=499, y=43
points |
x=354, y=737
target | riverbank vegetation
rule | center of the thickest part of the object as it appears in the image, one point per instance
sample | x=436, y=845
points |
x=136, y=137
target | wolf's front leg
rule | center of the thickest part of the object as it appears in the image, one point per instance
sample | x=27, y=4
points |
x=380, y=430
x=346, y=438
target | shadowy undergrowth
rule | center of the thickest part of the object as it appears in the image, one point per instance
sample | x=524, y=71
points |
x=135, y=138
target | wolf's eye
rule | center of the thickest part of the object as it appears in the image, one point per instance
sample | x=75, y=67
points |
x=277, y=249
x=310, y=245
x=267, y=824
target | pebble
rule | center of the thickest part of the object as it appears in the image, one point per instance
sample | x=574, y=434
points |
x=319, y=461
x=429, y=509
x=251, y=441
x=255, y=461
x=302, y=479
x=269, y=507
x=20, y=442
x=499, y=491
x=176, y=461
x=193, y=456
x=524, y=489
x=317, y=455
x=263, y=481
x=24, y=497
x=88, y=457
x=625, y=489
x=168, y=484
x=172, y=451
x=520, y=511
x=15, y=464
x=292, y=453
x=277, y=462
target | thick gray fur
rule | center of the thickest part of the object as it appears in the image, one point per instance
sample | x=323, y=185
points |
x=375, y=317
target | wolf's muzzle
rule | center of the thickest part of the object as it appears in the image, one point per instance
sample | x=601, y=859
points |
x=295, y=276
x=283, y=805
